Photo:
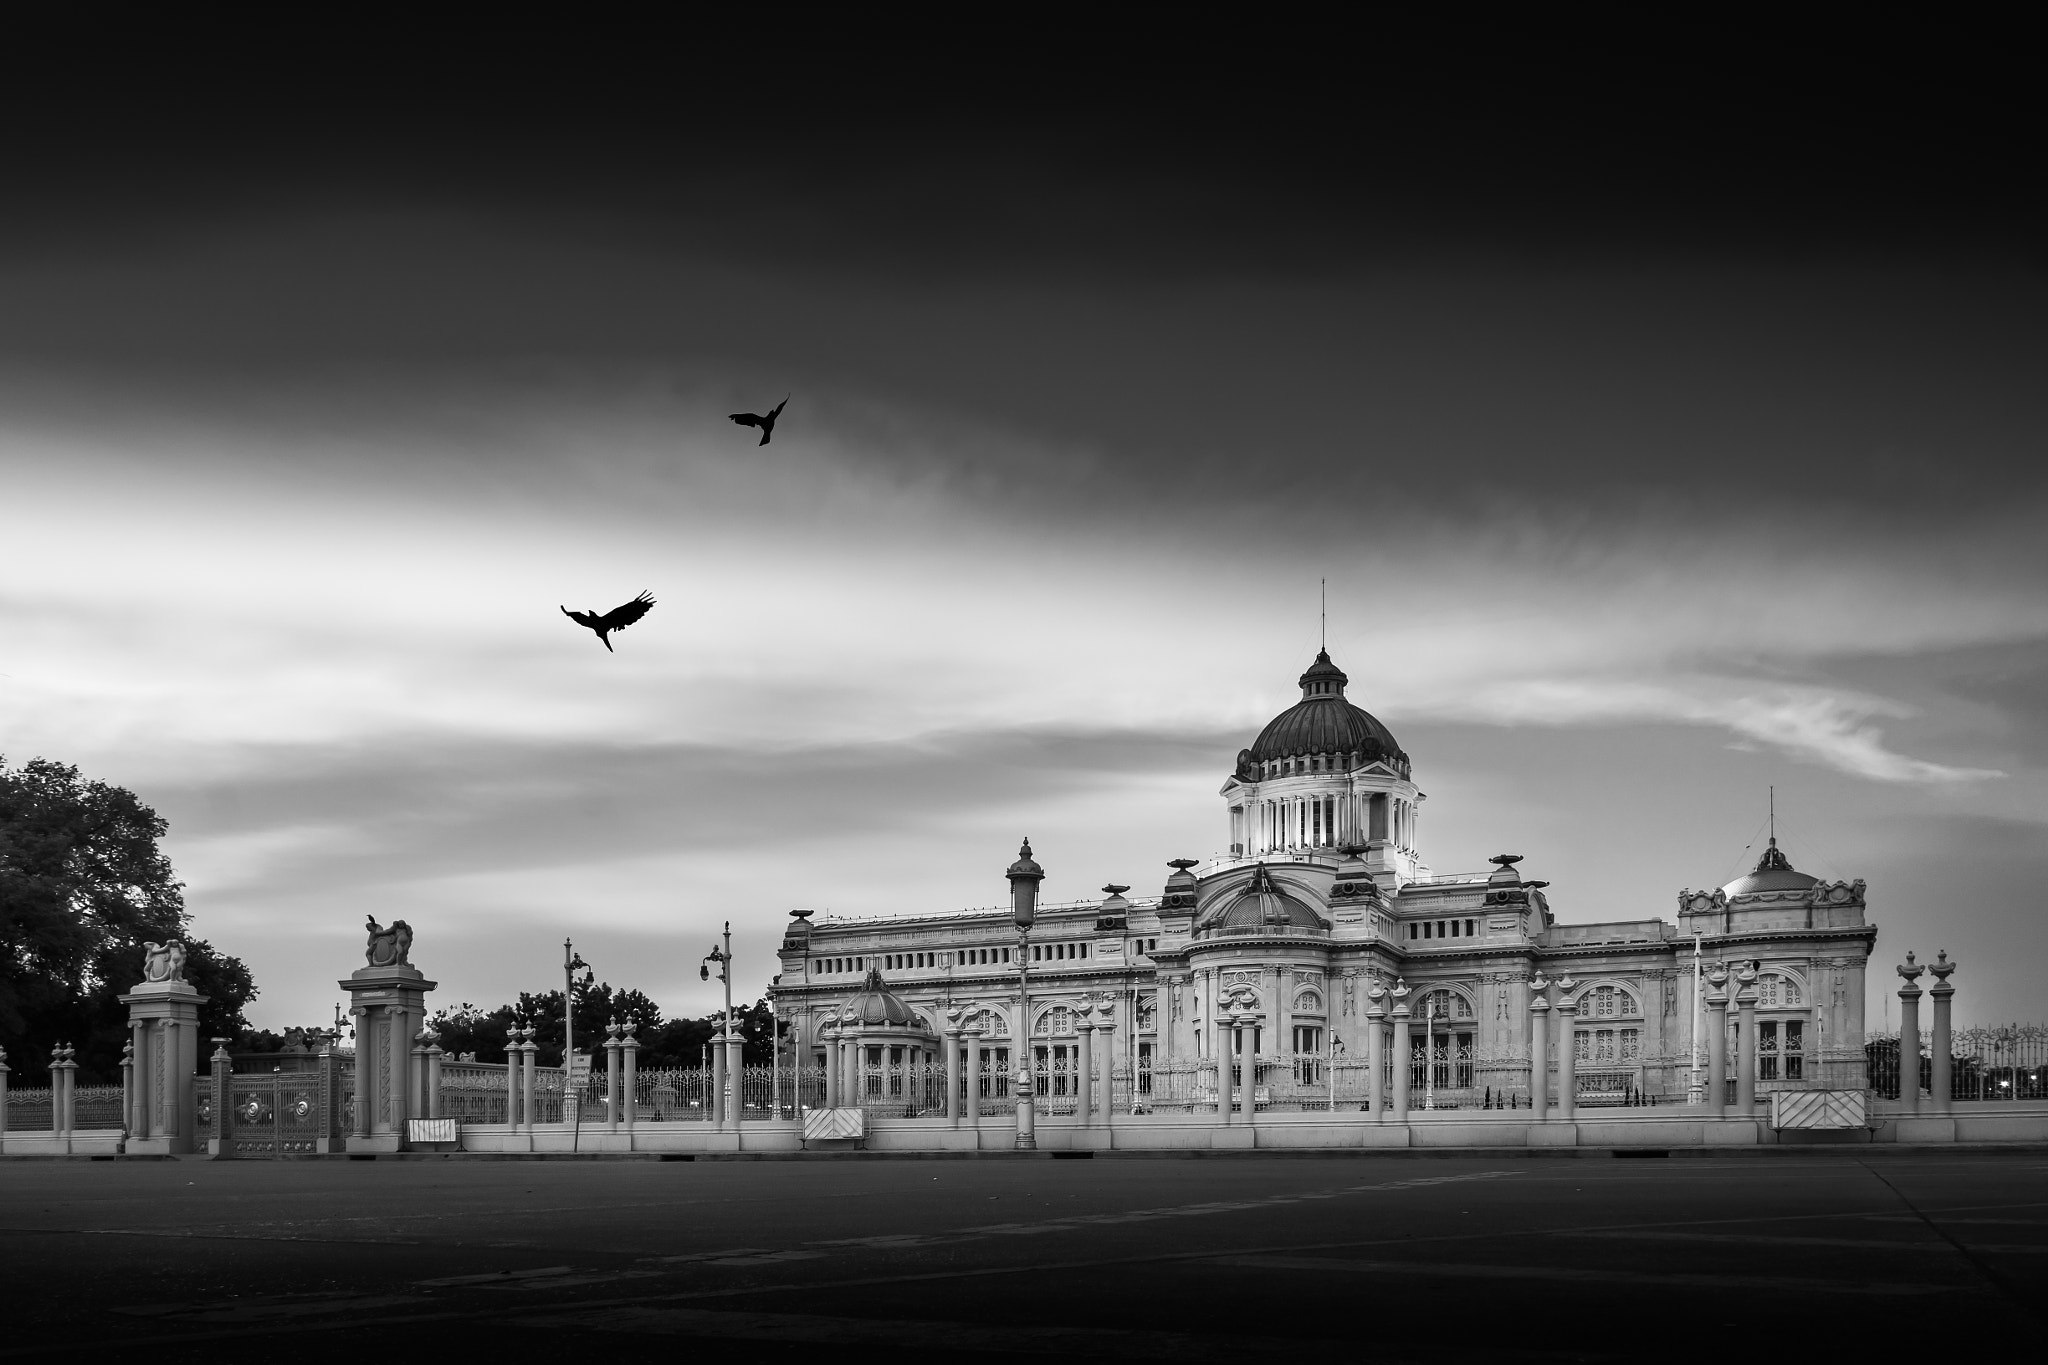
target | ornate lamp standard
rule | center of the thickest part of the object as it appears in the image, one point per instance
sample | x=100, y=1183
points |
x=1025, y=874
x=571, y=960
x=723, y=957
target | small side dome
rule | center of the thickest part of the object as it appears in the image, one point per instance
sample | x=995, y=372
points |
x=1774, y=872
x=1262, y=904
x=876, y=1006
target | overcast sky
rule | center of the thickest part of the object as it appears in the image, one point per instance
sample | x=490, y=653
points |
x=1661, y=439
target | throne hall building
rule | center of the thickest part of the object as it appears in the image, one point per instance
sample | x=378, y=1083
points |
x=1322, y=911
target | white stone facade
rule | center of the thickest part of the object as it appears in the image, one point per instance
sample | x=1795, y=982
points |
x=1324, y=905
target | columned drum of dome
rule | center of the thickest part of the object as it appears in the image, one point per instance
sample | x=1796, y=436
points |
x=1324, y=774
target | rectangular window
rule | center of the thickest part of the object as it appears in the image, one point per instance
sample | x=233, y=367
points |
x=1413, y=932
x=1795, y=1049
x=1767, y=1050
x=1145, y=1067
x=1468, y=928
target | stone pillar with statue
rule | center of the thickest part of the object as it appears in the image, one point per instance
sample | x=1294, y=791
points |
x=388, y=997
x=163, y=1019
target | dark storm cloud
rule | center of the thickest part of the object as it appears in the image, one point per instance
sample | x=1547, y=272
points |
x=1444, y=273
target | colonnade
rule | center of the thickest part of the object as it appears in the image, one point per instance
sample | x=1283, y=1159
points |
x=1323, y=820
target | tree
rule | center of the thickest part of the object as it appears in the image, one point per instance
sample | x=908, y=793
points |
x=83, y=886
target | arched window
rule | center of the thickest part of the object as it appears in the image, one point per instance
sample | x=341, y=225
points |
x=1443, y=1004
x=1776, y=992
x=1148, y=1013
x=1059, y=1019
x=1308, y=1002
x=1607, y=1002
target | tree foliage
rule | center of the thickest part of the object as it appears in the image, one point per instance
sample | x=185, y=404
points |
x=83, y=886
x=467, y=1028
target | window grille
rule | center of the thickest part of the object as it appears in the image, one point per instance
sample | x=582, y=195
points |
x=1445, y=1004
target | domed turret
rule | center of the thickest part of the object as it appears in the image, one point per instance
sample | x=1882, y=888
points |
x=876, y=1006
x=1323, y=722
x=1774, y=872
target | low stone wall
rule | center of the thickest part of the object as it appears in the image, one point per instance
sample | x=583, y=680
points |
x=78, y=1142
x=1669, y=1128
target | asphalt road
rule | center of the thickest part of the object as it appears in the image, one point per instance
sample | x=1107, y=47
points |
x=1827, y=1256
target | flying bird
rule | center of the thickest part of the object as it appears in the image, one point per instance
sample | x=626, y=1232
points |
x=755, y=419
x=618, y=618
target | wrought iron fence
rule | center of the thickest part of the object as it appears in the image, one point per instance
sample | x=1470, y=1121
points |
x=473, y=1092
x=1176, y=1087
x=29, y=1110
x=1986, y=1063
x=99, y=1106
x=903, y=1091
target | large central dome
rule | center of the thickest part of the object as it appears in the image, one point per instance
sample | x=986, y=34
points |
x=1322, y=722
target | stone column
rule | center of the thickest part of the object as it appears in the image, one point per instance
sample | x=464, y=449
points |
x=434, y=1056
x=366, y=1070
x=974, y=1072
x=834, y=1071
x=736, y=1069
x=1539, y=1049
x=1234, y=1078
x=127, y=1091
x=222, y=1141
x=398, y=1035
x=1376, y=1053
x=1745, y=1041
x=952, y=1064
x=1567, y=1049
x=1401, y=1047
x=720, y=1058
x=529, y=1099
x=1717, y=1040
x=629, y=1057
x=1943, y=1086
x=1107, y=1051
x=420, y=1095
x=512, y=1056
x=1084, y=1079
x=138, y=1093
x=611, y=1078
x=1909, y=1036
x=59, y=1097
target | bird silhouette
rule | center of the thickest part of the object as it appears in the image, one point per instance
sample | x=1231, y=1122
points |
x=755, y=419
x=618, y=618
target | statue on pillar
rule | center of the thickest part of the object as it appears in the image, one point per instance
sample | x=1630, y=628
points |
x=163, y=961
x=388, y=947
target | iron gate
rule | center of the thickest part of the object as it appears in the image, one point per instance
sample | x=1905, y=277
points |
x=279, y=1115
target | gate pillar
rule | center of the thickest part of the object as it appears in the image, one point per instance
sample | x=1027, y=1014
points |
x=163, y=1020
x=389, y=1000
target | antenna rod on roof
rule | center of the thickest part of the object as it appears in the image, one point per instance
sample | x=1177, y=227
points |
x=1774, y=813
x=1325, y=645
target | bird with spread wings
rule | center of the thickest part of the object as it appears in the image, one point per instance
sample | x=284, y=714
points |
x=767, y=423
x=618, y=618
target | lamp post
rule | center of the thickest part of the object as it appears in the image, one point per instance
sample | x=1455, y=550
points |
x=571, y=960
x=774, y=1053
x=723, y=957
x=1025, y=874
